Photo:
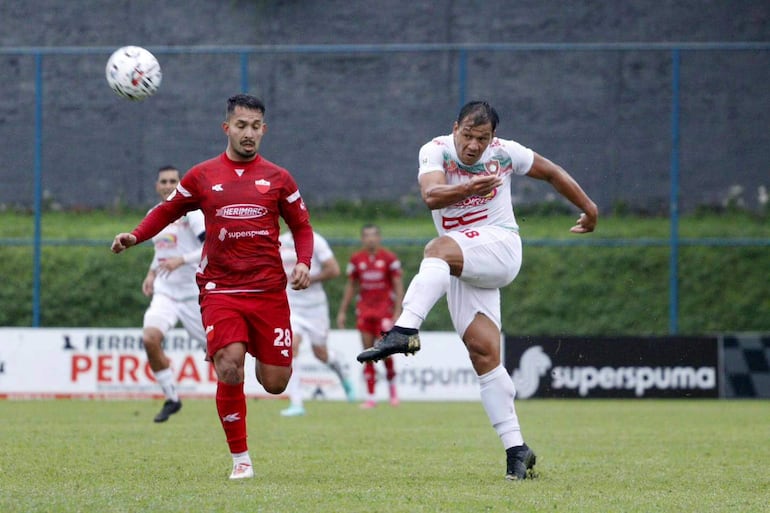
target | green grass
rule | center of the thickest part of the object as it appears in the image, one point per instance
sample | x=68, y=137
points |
x=593, y=456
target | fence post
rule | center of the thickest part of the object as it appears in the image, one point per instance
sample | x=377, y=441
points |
x=462, y=79
x=673, y=319
x=244, y=72
x=38, y=169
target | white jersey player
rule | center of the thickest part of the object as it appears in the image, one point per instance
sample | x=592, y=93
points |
x=465, y=180
x=310, y=315
x=171, y=283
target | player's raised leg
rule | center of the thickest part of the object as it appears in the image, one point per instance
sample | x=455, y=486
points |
x=424, y=291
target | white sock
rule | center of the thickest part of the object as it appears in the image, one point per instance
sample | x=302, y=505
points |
x=497, y=393
x=241, y=457
x=294, y=389
x=165, y=379
x=426, y=288
x=334, y=364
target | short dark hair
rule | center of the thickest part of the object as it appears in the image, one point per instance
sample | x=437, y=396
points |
x=370, y=226
x=246, y=101
x=168, y=167
x=479, y=113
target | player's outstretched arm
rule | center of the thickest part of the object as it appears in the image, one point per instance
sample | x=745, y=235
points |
x=584, y=224
x=123, y=241
x=544, y=169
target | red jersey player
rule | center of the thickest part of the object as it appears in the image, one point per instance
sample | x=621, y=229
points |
x=375, y=274
x=241, y=278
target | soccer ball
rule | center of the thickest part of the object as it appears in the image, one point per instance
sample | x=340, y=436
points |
x=133, y=73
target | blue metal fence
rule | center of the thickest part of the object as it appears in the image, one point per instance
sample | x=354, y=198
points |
x=462, y=51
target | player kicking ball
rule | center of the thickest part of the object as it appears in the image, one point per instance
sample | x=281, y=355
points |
x=465, y=180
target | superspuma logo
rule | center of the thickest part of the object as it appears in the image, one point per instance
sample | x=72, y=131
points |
x=534, y=365
x=638, y=379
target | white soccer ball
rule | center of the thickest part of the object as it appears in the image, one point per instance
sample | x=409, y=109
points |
x=133, y=73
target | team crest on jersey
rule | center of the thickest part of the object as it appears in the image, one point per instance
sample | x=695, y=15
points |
x=262, y=185
x=165, y=241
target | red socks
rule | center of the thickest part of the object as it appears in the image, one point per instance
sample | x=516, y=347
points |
x=371, y=377
x=231, y=406
x=390, y=369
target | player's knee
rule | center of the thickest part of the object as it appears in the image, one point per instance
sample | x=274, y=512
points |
x=484, y=354
x=484, y=361
x=152, y=337
x=320, y=353
x=274, y=384
x=228, y=370
x=447, y=250
x=274, y=388
x=436, y=248
x=229, y=374
x=153, y=346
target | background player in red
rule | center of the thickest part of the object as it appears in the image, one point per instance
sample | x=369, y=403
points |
x=374, y=277
x=241, y=277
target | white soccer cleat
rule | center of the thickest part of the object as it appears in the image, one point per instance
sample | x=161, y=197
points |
x=242, y=471
x=293, y=411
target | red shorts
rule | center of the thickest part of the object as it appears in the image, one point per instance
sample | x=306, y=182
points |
x=261, y=321
x=374, y=325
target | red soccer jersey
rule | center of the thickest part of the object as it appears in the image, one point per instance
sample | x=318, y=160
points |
x=242, y=203
x=374, y=274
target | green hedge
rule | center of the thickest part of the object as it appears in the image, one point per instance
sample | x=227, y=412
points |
x=560, y=290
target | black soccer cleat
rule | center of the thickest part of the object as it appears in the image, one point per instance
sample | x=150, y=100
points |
x=169, y=408
x=520, y=460
x=391, y=342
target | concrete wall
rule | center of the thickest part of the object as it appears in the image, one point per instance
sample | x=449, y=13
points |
x=348, y=125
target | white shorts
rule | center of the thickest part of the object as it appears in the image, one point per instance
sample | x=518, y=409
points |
x=491, y=260
x=311, y=323
x=164, y=312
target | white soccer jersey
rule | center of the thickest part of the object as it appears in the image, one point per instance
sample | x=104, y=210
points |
x=314, y=294
x=502, y=157
x=179, y=238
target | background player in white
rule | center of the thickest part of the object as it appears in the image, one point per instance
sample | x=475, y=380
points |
x=171, y=283
x=465, y=180
x=310, y=316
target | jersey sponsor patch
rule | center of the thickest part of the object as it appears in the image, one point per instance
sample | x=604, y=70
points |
x=241, y=211
x=449, y=223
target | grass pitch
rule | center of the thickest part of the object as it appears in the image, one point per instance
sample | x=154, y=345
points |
x=593, y=456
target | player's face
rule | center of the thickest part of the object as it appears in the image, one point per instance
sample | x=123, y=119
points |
x=370, y=238
x=244, y=129
x=166, y=182
x=471, y=141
